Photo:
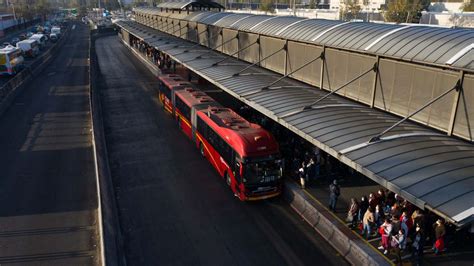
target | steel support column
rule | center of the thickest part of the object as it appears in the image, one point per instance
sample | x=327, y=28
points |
x=374, y=87
x=452, y=119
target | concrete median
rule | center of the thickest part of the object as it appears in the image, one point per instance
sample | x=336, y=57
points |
x=350, y=246
x=112, y=239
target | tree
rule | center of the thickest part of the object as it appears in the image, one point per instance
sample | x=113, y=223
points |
x=312, y=4
x=468, y=6
x=267, y=6
x=350, y=10
x=24, y=9
x=403, y=11
x=42, y=8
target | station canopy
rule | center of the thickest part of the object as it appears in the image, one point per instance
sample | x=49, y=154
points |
x=189, y=4
x=409, y=42
x=430, y=169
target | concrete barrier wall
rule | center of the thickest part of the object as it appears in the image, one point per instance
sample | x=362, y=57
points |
x=112, y=233
x=350, y=246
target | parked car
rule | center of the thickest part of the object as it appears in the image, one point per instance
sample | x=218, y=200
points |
x=56, y=30
x=53, y=37
x=14, y=41
x=40, y=38
x=22, y=37
x=30, y=48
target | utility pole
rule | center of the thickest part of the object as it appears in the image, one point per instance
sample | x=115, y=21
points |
x=13, y=9
x=294, y=8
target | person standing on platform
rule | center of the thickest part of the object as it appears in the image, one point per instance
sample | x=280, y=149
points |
x=386, y=232
x=302, y=175
x=418, y=244
x=352, y=213
x=367, y=222
x=334, y=192
x=440, y=232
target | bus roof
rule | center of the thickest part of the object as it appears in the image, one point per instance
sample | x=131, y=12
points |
x=247, y=139
x=191, y=97
x=172, y=80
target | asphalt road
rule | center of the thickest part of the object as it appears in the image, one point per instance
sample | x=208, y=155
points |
x=173, y=207
x=48, y=202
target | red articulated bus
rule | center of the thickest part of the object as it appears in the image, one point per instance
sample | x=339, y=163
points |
x=244, y=154
x=166, y=85
x=187, y=101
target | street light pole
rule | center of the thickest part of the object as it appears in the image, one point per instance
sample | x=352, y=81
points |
x=13, y=9
x=294, y=8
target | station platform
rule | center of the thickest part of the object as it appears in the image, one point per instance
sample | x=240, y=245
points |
x=312, y=204
x=358, y=186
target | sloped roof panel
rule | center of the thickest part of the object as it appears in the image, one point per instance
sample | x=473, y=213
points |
x=307, y=30
x=272, y=26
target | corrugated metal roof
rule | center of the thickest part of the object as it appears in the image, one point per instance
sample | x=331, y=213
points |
x=409, y=42
x=431, y=170
x=182, y=4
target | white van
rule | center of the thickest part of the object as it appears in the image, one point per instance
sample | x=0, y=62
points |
x=40, y=38
x=56, y=30
x=29, y=47
x=11, y=61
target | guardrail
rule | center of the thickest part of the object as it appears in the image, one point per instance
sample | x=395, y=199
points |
x=14, y=86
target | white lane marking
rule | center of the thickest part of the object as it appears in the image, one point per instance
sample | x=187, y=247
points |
x=73, y=27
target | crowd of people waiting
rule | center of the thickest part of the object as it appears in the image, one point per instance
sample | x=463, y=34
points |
x=159, y=58
x=397, y=222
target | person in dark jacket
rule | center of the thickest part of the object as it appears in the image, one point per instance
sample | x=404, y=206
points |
x=334, y=192
x=379, y=215
x=417, y=245
x=363, y=206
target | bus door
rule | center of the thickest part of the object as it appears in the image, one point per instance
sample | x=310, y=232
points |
x=173, y=97
x=194, y=110
x=236, y=165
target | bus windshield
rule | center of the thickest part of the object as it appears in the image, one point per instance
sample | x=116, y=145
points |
x=262, y=171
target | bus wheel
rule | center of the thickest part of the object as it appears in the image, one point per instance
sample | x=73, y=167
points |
x=201, y=149
x=227, y=179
